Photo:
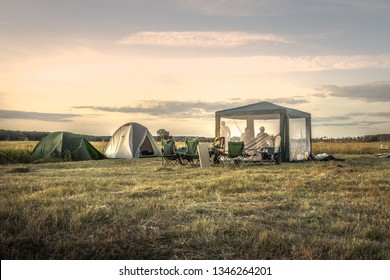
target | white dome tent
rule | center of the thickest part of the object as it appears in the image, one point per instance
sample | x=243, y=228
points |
x=132, y=140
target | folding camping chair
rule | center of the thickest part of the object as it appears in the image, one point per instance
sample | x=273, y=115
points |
x=217, y=149
x=168, y=151
x=190, y=153
x=272, y=154
x=234, y=154
x=250, y=153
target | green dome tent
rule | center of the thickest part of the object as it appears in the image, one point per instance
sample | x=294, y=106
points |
x=66, y=145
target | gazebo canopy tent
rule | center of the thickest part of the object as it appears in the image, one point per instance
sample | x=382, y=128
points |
x=293, y=126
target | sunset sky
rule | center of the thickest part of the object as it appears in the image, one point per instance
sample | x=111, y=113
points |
x=89, y=66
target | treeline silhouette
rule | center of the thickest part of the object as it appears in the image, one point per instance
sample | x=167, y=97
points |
x=365, y=138
x=16, y=135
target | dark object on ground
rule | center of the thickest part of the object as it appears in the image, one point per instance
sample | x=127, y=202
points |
x=20, y=170
x=326, y=157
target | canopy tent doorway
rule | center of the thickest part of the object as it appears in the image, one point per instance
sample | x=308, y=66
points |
x=293, y=126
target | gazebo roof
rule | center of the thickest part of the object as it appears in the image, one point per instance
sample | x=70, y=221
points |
x=262, y=110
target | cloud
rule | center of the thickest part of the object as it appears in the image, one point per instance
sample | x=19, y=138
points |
x=278, y=8
x=199, y=39
x=49, y=117
x=187, y=109
x=289, y=100
x=370, y=114
x=352, y=119
x=372, y=92
x=168, y=109
x=221, y=7
x=331, y=119
x=366, y=124
x=364, y=5
x=338, y=62
x=320, y=94
x=294, y=100
x=351, y=116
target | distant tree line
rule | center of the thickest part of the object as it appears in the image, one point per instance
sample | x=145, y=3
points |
x=365, y=138
x=200, y=138
x=164, y=134
x=97, y=138
x=16, y=135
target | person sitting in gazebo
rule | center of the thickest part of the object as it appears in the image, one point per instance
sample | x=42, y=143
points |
x=246, y=137
x=262, y=138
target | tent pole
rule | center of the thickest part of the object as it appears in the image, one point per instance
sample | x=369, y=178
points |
x=250, y=123
x=285, y=137
x=308, y=135
x=217, y=125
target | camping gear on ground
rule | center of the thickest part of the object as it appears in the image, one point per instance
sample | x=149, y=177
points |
x=132, y=140
x=294, y=126
x=384, y=155
x=169, y=154
x=326, y=157
x=67, y=146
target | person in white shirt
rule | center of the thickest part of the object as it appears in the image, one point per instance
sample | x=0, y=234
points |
x=225, y=131
x=262, y=138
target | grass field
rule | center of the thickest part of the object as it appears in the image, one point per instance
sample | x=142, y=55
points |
x=137, y=209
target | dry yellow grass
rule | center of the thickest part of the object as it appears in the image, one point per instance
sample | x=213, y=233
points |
x=349, y=148
x=318, y=147
x=138, y=209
